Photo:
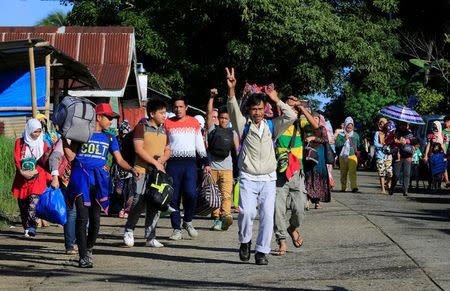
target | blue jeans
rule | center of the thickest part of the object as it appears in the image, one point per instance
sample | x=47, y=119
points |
x=69, y=228
x=184, y=175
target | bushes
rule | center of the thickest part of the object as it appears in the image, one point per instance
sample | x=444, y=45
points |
x=8, y=204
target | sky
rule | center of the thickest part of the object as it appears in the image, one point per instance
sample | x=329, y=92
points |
x=27, y=12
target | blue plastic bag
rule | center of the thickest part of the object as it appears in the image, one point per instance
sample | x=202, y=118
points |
x=52, y=206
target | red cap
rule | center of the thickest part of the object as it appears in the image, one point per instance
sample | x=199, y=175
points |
x=105, y=109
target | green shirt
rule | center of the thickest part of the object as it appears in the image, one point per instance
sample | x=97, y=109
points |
x=355, y=140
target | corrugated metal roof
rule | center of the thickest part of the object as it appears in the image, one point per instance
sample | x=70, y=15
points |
x=106, y=51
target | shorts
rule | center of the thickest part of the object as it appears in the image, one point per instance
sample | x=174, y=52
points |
x=384, y=168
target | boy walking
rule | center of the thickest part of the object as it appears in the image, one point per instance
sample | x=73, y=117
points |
x=221, y=141
x=152, y=151
x=88, y=188
x=257, y=165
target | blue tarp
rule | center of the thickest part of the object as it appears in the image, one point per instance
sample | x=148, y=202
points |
x=15, y=90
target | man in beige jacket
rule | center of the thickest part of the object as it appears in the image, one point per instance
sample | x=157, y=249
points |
x=257, y=165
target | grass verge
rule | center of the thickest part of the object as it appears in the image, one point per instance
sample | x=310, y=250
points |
x=8, y=204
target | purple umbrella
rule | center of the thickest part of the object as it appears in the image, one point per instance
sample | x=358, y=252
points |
x=401, y=113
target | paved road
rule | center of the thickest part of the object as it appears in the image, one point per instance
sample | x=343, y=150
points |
x=363, y=241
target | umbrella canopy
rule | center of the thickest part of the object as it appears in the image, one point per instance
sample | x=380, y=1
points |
x=401, y=113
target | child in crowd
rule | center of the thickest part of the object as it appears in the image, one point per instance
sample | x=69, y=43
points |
x=31, y=179
x=415, y=166
x=89, y=183
x=438, y=163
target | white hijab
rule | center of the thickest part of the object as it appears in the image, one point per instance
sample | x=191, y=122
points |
x=35, y=147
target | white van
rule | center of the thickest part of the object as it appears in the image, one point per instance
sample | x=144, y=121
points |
x=424, y=130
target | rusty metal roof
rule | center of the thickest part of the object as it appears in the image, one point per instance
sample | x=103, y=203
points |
x=14, y=55
x=106, y=51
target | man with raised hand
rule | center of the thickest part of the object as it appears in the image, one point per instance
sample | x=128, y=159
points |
x=257, y=165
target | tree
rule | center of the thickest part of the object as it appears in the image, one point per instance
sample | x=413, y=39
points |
x=57, y=18
x=301, y=45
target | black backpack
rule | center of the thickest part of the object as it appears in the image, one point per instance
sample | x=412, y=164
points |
x=127, y=148
x=220, y=142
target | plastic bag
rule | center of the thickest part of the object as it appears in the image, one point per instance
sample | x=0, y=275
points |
x=52, y=206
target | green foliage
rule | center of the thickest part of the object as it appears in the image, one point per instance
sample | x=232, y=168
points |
x=57, y=18
x=300, y=45
x=364, y=106
x=8, y=204
x=430, y=101
x=387, y=6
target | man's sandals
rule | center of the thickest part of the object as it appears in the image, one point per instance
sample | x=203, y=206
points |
x=297, y=239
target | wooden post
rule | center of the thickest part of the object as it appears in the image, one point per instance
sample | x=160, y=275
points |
x=47, y=87
x=55, y=93
x=66, y=87
x=32, y=79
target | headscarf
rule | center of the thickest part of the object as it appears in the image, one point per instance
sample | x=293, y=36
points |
x=438, y=134
x=200, y=120
x=35, y=147
x=323, y=123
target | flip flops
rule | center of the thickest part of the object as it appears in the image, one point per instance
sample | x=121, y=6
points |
x=297, y=240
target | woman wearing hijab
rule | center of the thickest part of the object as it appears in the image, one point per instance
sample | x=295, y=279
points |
x=316, y=174
x=31, y=179
x=347, y=144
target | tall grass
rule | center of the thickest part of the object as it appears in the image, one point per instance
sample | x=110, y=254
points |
x=8, y=204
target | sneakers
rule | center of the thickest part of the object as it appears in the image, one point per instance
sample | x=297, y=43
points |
x=153, y=243
x=217, y=225
x=261, y=259
x=30, y=232
x=244, y=251
x=128, y=238
x=227, y=220
x=190, y=229
x=89, y=256
x=85, y=263
x=176, y=235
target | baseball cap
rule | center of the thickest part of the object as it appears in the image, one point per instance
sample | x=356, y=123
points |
x=105, y=109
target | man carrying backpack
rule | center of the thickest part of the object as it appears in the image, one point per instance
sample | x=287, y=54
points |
x=221, y=141
x=257, y=165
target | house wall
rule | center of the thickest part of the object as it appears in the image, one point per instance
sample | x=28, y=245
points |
x=13, y=125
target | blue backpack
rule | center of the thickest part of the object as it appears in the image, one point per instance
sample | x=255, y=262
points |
x=247, y=129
